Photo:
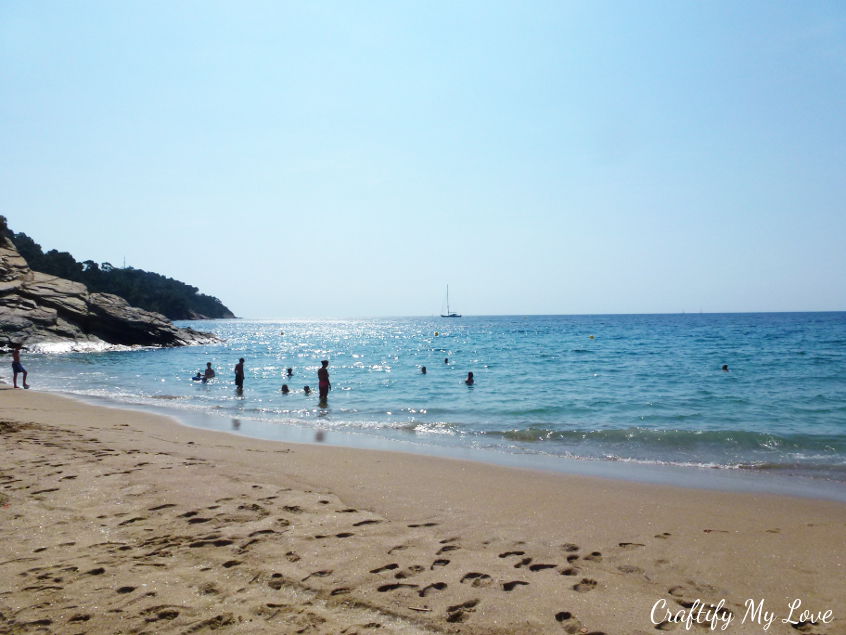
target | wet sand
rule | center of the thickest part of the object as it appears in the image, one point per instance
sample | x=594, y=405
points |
x=122, y=521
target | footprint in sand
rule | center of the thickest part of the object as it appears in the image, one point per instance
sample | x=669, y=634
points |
x=594, y=556
x=460, y=612
x=131, y=520
x=541, y=567
x=394, y=587
x=361, y=523
x=585, y=585
x=569, y=547
x=477, y=579
x=512, y=553
x=447, y=548
x=217, y=543
x=387, y=567
x=441, y=562
x=510, y=586
x=79, y=618
x=568, y=621
x=437, y=586
x=631, y=545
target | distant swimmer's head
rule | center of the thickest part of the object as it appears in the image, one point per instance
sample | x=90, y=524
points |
x=285, y=389
x=307, y=390
x=289, y=371
x=725, y=367
x=469, y=379
x=208, y=364
x=325, y=363
x=446, y=360
x=241, y=360
x=423, y=369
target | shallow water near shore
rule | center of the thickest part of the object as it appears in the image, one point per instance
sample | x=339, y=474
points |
x=627, y=391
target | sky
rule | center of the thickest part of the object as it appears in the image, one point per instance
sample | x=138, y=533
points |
x=351, y=159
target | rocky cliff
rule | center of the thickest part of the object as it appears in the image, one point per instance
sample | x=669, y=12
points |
x=36, y=308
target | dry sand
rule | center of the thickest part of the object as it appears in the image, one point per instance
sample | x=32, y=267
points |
x=117, y=521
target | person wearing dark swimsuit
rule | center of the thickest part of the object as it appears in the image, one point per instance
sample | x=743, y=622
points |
x=323, y=380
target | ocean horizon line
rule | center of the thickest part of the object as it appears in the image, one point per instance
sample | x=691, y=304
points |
x=513, y=315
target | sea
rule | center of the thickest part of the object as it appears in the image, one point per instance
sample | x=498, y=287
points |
x=642, y=397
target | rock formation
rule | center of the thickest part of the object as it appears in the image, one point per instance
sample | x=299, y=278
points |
x=36, y=308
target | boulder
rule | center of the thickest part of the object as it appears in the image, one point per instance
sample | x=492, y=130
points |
x=36, y=308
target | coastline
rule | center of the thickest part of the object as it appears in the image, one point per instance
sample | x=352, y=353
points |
x=252, y=535
x=716, y=478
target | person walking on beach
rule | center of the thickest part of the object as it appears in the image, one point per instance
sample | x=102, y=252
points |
x=239, y=375
x=17, y=367
x=323, y=380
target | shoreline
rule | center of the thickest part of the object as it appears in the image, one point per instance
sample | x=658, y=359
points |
x=129, y=521
x=687, y=476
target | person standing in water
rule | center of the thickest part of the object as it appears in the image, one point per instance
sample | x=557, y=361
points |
x=323, y=380
x=17, y=367
x=209, y=372
x=239, y=375
x=469, y=381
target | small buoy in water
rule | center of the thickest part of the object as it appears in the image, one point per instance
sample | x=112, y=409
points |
x=436, y=333
x=591, y=337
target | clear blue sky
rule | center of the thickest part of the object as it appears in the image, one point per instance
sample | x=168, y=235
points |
x=306, y=159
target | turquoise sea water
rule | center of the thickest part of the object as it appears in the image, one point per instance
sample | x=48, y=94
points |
x=623, y=388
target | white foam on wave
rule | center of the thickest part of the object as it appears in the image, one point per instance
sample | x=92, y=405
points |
x=98, y=346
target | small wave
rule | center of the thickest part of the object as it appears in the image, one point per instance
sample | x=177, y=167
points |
x=675, y=439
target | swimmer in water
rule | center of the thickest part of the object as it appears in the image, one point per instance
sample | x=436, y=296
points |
x=323, y=383
x=469, y=381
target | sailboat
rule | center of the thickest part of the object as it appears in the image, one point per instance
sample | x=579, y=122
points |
x=448, y=312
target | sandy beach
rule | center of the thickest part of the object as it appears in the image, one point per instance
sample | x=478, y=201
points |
x=117, y=521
